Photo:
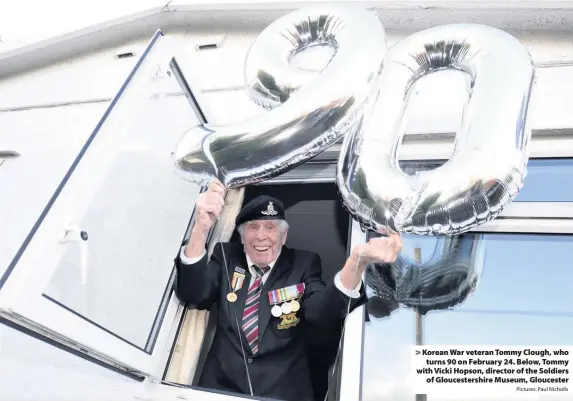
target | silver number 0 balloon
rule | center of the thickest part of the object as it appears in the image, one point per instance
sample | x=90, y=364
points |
x=489, y=162
x=361, y=95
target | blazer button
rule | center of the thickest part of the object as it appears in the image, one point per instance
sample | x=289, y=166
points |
x=250, y=360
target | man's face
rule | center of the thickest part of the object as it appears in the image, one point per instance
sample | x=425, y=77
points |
x=262, y=240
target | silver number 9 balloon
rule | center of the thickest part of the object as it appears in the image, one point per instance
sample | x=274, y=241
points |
x=488, y=165
x=310, y=110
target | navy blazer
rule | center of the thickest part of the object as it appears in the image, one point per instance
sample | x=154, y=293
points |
x=280, y=370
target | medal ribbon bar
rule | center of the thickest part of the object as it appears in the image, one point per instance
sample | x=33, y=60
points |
x=286, y=294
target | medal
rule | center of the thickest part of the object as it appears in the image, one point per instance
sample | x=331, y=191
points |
x=236, y=284
x=285, y=300
x=276, y=311
x=294, y=305
x=286, y=308
x=288, y=321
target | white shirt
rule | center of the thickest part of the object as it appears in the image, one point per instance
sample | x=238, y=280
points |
x=354, y=293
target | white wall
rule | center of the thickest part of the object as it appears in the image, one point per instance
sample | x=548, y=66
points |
x=437, y=103
x=99, y=76
x=49, y=139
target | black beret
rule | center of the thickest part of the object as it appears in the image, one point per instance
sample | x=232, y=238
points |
x=263, y=207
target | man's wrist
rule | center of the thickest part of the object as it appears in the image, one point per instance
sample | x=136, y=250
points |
x=350, y=292
x=351, y=274
x=197, y=241
x=356, y=261
x=200, y=231
x=350, y=278
x=190, y=261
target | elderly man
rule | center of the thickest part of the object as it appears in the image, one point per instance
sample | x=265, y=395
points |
x=266, y=293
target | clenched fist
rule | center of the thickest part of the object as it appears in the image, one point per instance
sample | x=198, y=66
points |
x=209, y=206
x=378, y=250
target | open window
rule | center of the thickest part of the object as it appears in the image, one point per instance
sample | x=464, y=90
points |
x=319, y=223
x=95, y=270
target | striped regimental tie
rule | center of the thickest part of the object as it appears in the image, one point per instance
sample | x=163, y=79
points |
x=251, y=311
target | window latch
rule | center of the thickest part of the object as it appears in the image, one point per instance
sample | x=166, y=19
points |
x=75, y=234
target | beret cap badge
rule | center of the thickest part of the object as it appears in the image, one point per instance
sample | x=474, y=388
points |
x=270, y=211
x=263, y=207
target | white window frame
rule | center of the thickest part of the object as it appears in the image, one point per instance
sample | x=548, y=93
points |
x=352, y=346
x=22, y=298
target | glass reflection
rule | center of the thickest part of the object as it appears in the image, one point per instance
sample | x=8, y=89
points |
x=542, y=184
x=523, y=297
x=544, y=181
x=431, y=273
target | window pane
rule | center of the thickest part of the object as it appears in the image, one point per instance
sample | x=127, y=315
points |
x=545, y=181
x=135, y=212
x=522, y=297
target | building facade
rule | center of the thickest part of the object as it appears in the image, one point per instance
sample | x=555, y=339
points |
x=93, y=212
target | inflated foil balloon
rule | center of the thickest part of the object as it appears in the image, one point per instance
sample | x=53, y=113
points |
x=447, y=278
x=309, y=110
x=488, y=166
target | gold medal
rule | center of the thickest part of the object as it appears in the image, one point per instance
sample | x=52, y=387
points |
x=294, y=305
x=231, y=297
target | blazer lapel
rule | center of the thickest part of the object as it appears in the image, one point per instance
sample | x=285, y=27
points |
x=277, y=278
